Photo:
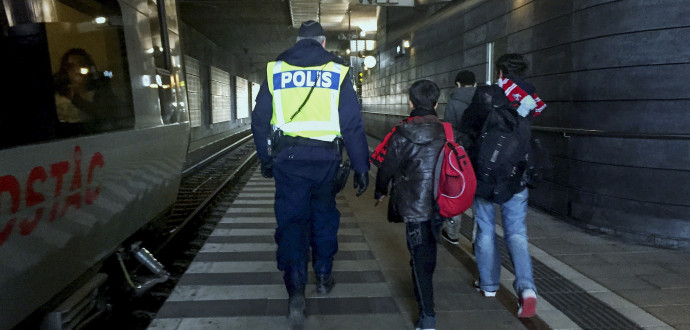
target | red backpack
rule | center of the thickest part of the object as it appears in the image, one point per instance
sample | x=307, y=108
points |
x=454, y=183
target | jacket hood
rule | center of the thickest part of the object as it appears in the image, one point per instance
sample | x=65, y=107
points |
x=463, y=94
x=422, y=129
x=308, y=52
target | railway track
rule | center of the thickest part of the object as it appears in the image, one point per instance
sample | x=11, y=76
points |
x=206, y=190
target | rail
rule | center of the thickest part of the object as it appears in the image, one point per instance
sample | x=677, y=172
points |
x=567, y=132
x=176, y=237
x=201, y=184
x=216, y=155
x=246, y=163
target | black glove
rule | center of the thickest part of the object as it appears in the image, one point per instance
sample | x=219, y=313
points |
x=267, y=169
x=362, y=181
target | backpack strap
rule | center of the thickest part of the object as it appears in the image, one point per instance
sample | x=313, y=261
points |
x=449, y=131
x=450, y=137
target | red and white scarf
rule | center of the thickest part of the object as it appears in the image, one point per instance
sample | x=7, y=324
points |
x=517, y=94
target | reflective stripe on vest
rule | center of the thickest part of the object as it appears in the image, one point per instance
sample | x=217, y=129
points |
x=290, y=85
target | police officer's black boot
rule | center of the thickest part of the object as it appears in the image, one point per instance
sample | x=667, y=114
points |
x=296, y=306
x=295, y=283
x=324, y=283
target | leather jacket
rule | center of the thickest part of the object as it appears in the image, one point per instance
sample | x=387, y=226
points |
x=410, y=160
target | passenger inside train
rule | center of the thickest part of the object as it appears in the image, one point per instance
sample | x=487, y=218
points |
x=84, y=99
x=65, y=74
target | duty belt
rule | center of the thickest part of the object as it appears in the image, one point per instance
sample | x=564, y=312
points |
x=287, y=140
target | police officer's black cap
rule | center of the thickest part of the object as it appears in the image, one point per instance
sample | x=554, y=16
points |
x=311, y=28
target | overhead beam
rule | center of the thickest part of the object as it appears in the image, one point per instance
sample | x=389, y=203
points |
x=303, y=10
x=401, y=3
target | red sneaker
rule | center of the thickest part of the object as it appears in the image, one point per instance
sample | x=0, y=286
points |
x=527, y=304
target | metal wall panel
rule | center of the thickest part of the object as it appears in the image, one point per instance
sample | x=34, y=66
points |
x=623, y=75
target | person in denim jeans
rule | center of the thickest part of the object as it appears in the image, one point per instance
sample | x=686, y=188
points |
x=515, y=235
x=510, y=192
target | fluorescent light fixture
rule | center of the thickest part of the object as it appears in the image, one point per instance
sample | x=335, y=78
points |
x=370, y=44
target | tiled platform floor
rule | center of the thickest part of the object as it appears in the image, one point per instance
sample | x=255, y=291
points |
x=233, y=282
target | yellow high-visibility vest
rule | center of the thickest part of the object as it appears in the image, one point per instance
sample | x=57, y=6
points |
x=290, y=86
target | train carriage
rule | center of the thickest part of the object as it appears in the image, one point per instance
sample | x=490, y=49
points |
x=93, y=136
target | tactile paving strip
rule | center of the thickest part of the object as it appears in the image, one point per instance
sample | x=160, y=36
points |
x=582, y=308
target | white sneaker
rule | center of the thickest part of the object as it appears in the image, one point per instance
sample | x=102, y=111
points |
x=487, y=294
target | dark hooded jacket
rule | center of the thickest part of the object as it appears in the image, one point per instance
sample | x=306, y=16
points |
x=473, y=118
x=308, y=52
x=412, y=153
x=460, y=99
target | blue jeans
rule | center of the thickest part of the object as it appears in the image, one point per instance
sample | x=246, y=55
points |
x=513, y=214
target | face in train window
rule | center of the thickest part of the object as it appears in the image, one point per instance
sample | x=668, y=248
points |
x=67, y=70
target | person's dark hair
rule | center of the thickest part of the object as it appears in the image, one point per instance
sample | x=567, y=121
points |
x=512, y=65
x=424, y=94
x=84, y=59
x=465, y=78
x=61, y=79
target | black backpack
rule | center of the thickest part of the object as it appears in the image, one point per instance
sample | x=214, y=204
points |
x=503, y=147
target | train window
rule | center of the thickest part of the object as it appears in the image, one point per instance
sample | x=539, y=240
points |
x=158, y=49
x=220, y=96
x=161, y=55
x=193, y=90
x=64, y=70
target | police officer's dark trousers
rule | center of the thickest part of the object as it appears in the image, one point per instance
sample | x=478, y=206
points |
x=307, y=217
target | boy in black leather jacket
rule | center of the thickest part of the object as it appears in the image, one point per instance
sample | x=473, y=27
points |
x=409, y=162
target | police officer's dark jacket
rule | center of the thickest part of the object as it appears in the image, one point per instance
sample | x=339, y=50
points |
x=306, y=53
x=410, y=159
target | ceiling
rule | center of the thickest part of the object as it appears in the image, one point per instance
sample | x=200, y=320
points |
x=264, y=28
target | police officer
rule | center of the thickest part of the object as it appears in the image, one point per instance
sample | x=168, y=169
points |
x=308, y=104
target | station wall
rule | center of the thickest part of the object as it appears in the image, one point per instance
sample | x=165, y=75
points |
x=613, y=76
x=211, y=56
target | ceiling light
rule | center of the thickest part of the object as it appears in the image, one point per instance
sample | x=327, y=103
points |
x=370, y=61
